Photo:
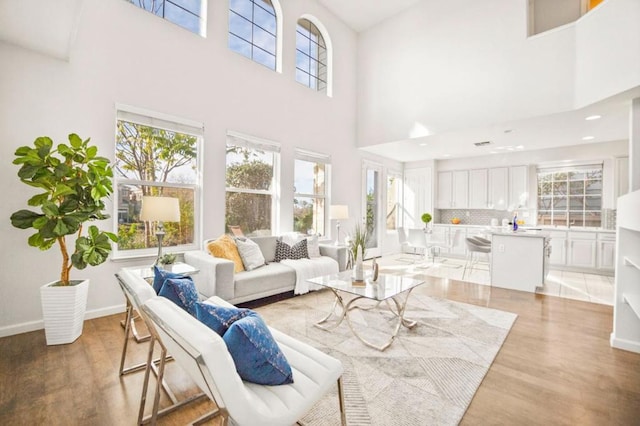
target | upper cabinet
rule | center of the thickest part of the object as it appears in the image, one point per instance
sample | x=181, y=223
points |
x=478, y=188
x=498, y=188
x=453, y=190
x=518, y=187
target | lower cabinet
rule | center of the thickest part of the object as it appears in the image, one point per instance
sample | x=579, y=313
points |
x=607, y=251
x=582, y=249
x=558, y=243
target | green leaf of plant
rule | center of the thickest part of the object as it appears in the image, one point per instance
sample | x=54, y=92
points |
x=22, y=151
x=38, y=199
x=60, y=228
x=40, y=222
x=92, y=151
x=43, y=141
x=27, y=171
x=75, y=141
x=62, y=190
x=24, y=219
x=50, y=209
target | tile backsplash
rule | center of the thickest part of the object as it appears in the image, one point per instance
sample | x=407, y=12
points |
x=608, y=218
x=478, y=217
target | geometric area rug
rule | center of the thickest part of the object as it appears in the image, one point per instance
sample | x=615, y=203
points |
x=428, y=375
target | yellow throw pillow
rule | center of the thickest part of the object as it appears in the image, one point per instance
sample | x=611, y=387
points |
x=225, y=248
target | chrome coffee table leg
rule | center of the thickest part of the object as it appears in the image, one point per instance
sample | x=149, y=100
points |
x=338, y=301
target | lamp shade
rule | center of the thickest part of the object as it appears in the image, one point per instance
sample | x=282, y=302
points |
x=160, y=209
x=339, y=212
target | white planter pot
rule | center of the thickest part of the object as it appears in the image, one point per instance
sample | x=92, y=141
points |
x=63, y=309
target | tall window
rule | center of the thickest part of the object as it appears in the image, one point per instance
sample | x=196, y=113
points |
x=394, y=185
x=570, y=196
x=253, y=30
x=189, y=14
x=311, y=56
x=251, y=184
x=310, y=192
x=155, y=156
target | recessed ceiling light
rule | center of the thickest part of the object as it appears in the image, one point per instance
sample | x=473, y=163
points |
x=520, y=147
x=593, y=117
x=588, y=138
x=423, y=144
x=446, y=155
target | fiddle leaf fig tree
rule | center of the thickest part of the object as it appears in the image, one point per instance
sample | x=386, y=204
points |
x=74, y=183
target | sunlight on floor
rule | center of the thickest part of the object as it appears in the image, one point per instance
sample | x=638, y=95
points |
x=570, y=285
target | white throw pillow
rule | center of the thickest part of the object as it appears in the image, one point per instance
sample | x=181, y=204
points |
x=292, y=238
x=250, y=253
x=313, y=246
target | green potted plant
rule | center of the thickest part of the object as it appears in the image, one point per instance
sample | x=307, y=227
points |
x=167, y=260
x=73, y=183
x=359, y=238
x=426, y=218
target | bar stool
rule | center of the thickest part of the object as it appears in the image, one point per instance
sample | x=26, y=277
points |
x=475, y=247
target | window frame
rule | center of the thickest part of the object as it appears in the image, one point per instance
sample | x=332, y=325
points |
x=174, y=124
x=202, y=18
x=315, y=158
x=256, y=143
x=328, y=46
x=567, y=210
x=277, y=9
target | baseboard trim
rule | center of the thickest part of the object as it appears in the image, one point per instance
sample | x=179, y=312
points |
x=26, y=327
x=624, y=344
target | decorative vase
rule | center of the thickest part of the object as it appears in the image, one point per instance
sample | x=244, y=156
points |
x=358, y=270
x=63, y=309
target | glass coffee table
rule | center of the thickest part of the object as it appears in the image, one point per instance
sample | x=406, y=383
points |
x=394, y=290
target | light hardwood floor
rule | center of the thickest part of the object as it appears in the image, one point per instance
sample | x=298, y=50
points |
x=555, y=368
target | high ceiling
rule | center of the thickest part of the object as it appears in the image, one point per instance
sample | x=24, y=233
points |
x=363, y=14
x=563, y=129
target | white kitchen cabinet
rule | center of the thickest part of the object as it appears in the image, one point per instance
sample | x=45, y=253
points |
x=558, y=243
x=498, y=188
x=582, y=249
x=606, y=251
x=626, y=308
x=518, y=187
x=453, y=190
x=478, y=188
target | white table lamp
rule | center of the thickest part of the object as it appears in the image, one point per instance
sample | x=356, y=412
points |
x=160, y=209
x=339, y=212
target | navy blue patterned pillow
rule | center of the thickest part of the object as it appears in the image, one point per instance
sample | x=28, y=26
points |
x=296, y=251
x=159, y=277
x=182, y=292
x=219, y=318
x=256, y=354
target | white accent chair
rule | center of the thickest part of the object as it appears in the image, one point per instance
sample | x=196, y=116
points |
x=203, y=354
x=138, y=291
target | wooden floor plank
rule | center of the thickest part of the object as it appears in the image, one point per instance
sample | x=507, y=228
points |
x=555, y=367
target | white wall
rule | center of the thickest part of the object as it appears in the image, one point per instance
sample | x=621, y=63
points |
x=126, y=55
x=459, y=64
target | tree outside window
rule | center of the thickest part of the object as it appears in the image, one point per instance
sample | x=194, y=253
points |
x=156, y=162
x=250, y=189
x=570, y=196
x=309, y=202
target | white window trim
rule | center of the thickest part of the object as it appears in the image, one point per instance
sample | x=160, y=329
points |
x=316, y=157
x=329, y=46
x=161, y=120
x=253, y=142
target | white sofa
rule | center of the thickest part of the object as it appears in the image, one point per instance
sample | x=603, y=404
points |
x=216, y=276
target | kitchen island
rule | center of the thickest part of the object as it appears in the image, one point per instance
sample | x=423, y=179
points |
x=519, y=259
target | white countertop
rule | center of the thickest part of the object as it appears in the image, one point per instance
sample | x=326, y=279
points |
x=545, y=228
x=520, y=233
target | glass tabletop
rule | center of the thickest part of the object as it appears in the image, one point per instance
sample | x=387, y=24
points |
x=182, y=268
x=384, y=287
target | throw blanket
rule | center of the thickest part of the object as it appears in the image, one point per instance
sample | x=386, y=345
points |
x=310, y=268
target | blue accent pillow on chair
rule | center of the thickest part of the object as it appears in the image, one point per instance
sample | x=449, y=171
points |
x=160, y=276
x=219, y=318
x=255, y=352
x=182, y=292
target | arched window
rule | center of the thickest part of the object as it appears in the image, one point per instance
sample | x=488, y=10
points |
x=253, y=30
x=312, y=64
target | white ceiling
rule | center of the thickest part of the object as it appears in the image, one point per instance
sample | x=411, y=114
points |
x=363, y=14
x=550, y=131
x=563, y=129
